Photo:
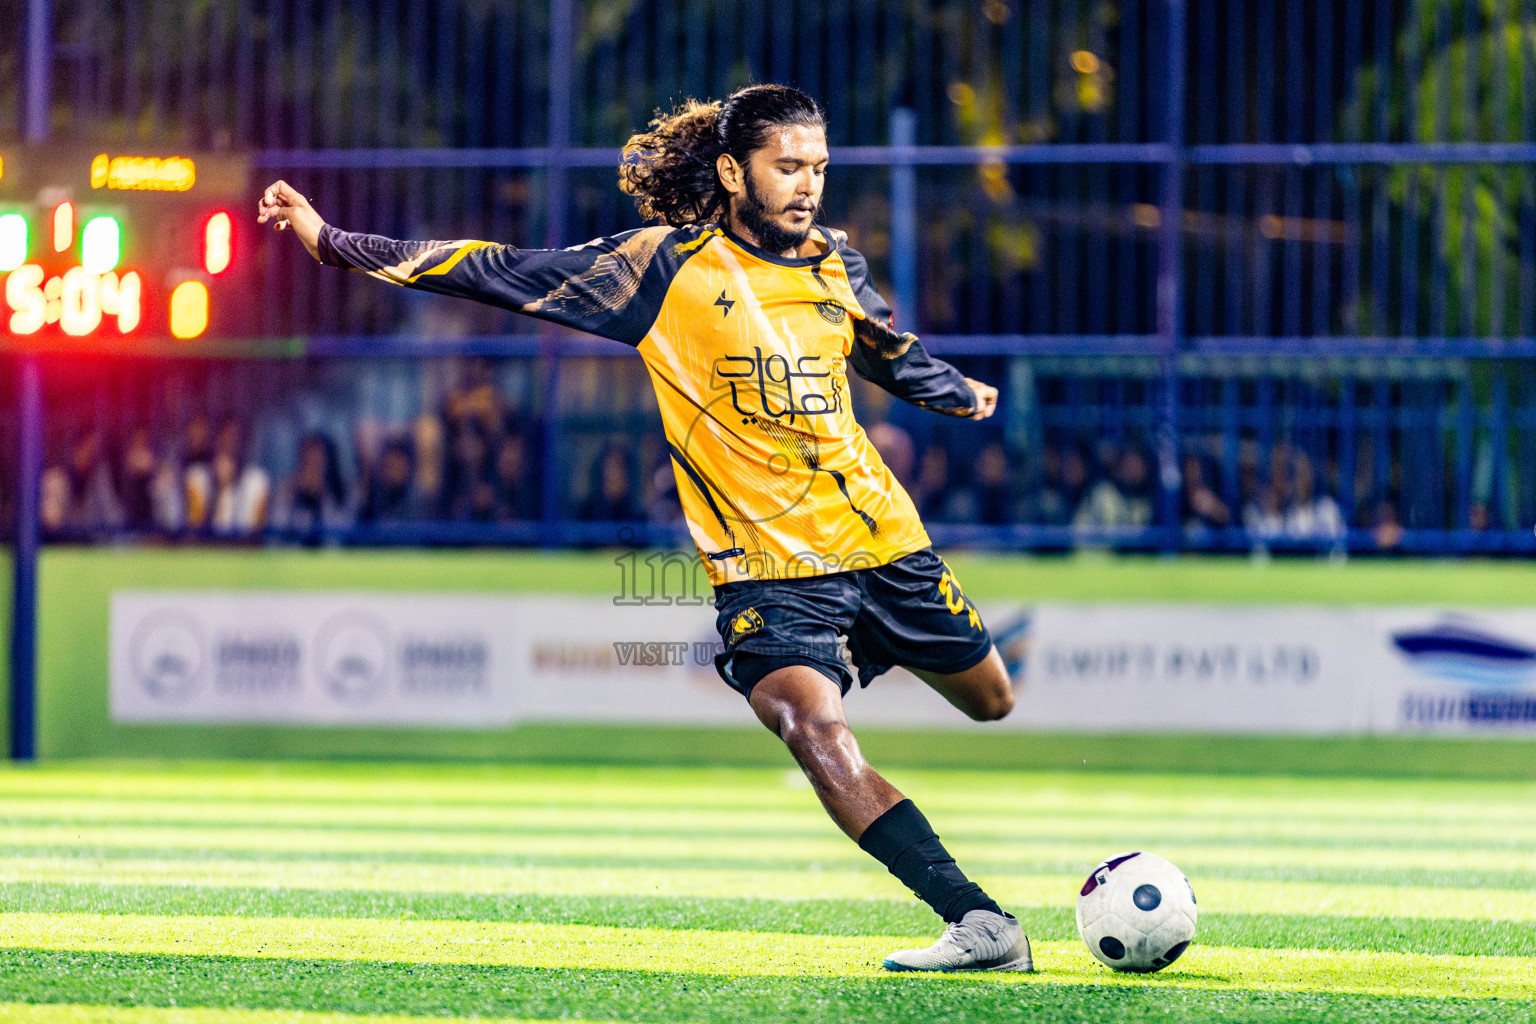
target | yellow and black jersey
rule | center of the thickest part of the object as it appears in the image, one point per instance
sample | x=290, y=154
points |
x=748, y=353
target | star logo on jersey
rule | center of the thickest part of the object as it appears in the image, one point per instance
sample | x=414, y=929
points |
x=724, y=303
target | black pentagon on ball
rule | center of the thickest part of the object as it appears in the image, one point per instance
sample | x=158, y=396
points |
x=1174, y=952
x=1112, y=947
x=1147, y=897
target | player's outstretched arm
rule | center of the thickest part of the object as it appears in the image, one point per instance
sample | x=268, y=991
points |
x=431, y=266
x=899, y=364
x=596, y=287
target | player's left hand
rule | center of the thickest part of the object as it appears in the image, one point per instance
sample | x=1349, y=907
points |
x=287, y=208
x=986, y=399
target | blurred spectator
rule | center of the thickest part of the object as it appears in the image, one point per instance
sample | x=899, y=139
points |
x=611, y=498
x=475, y=400
x=1264, y=517
x=138, y=472
x=1250, y=487
x=993, y=489
x=1264, y=513
x=470, y=495
x=241, y=492
x=392, y=497
x=1124, y=500
x=482, y=502
x=369, y=435
x=197, y=472
x=1064, y=479
x=313, y=499
x=1106, y=456
x=1047, y=493
x=1203, y=508
x=664, y=508
x=151, y=492
x=931, y=490
x=517, y=496
x=53, y=501
x=1385, y=527
x=1310, y=515
x=79, y=497
x=429, y=452
x=896, y=450
x=1477, y=516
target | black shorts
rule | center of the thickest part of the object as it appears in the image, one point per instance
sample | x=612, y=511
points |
x=909, y=613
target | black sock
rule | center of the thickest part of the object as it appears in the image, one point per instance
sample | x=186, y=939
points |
x=904, y=842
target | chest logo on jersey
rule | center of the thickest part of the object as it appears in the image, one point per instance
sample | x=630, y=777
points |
x=770, y=386
x=724, y=303
x=832, y=312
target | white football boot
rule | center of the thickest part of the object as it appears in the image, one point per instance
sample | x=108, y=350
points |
x=980, y=941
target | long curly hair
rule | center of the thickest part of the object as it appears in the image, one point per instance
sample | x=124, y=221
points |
x=670, y=169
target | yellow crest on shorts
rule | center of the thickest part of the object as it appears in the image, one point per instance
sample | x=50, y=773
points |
x=744, y=625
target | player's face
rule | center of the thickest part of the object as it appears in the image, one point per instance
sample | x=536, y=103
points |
x=783, y=184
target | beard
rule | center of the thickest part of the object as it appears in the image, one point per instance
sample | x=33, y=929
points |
x=753, y=215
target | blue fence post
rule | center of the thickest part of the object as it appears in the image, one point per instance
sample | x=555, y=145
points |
x=1466, y=451
x=24, y=567
x=904, y=220
x=1348, y=448
x=1170, y=284
x=562, y=48
x=23, y=661
x=1498, y=435
x=39, y=64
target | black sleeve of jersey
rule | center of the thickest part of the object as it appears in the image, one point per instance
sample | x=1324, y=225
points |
x=611, y=287
x=898, y=362
x=875, y=306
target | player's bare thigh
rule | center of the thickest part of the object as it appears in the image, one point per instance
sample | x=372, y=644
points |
x=983, y=691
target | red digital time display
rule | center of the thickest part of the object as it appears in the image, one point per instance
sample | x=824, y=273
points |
x=115, y=246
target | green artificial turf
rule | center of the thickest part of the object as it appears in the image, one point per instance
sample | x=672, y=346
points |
x=723, y=894
x=435, y=991
x=809, y=917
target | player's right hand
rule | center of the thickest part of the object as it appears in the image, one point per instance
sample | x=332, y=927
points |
x=986, y=399
x=285, y=205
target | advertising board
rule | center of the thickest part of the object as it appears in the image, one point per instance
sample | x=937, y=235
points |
x=472, y=661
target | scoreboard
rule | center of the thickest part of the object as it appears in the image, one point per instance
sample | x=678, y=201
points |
x=115, y=246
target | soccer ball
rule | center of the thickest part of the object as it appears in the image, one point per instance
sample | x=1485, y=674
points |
x=1136, y=912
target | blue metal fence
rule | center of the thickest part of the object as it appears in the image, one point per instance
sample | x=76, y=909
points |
x=1207, y=230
